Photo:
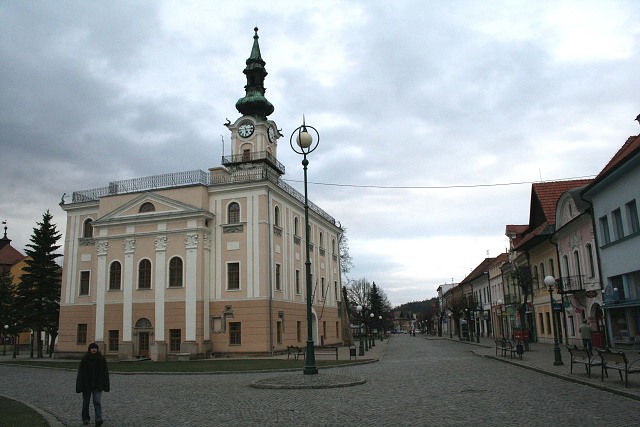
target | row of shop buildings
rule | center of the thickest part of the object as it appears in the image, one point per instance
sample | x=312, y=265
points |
x=586, y=235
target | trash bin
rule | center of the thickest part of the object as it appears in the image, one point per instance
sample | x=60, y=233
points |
x=520, y=348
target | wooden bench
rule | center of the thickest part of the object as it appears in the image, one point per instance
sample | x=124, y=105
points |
x=295, y=351
x=617, y=360
x=585, y=357
x=326, y=350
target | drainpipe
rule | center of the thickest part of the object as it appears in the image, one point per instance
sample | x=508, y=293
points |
x=564, y=314
x=270, y=226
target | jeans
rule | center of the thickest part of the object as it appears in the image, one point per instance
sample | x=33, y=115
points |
x=97, y=406
x=586, y=343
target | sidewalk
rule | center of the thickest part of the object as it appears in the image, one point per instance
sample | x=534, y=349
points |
x=540, y=358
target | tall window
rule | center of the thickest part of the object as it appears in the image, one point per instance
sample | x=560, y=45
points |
x=617, y=224
x=299, y=331
x=552, y=267
x=235, y=333
x=298, y=282
x=322, y=295
x=542, y=275
x=278, y=287
x=566, y=265
x=279, y=332
x=333, y=246
x=114, y=339
x=276, y=216
x=576, y=260
x=233, y=212
x=233, y=276
x=115, y=276
x=81, y=333
x=632, y=217
x=321, y=239
x=604, y=228
x=144, y=274
x=592, y=270
x=295, y=226
x=87, y=229
x=175, y=337
x=85, y=281
x=175, y=272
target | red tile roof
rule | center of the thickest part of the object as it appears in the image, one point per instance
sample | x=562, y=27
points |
x=629, y=148
x=9, y=256
x=478, y=271
x=544, y=197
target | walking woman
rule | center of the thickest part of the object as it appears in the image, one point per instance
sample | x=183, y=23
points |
x=92, y=380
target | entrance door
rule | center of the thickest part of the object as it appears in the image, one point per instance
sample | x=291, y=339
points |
x=143, y=344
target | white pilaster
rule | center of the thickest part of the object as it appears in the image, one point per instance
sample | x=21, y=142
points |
x=159, y=285
x=102, y=247
x=127, y=294
x=191, y=265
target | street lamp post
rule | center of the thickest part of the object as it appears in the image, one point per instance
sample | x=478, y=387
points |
x=361, y=347
x=550, y=281
x=449, y=325
x=500, y=318
x=4, y=340
x=372, y=341
x=380, y=330
x=306, y=145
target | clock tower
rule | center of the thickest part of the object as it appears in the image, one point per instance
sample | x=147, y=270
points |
x=254, y=138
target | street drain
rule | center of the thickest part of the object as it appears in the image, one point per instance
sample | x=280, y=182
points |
x=473, y=390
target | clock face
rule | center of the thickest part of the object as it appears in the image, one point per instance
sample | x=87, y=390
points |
x=272, y=135
x=245, y=130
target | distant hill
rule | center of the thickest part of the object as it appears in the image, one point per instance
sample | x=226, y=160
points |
x=417, y=306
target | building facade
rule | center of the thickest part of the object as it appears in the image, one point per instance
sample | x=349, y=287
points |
x=614, y=195
x=201, y=263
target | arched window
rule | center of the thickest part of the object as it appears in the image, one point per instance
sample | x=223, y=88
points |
x=147, y=207
x=144, y=274
x=233, y=213
x=115, y=276
x=566, y=266
x=295, y=226
x=175, y=272
x=276, y=216
x=87, y=228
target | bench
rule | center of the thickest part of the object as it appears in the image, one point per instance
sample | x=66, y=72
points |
x=502, y=346
x=295, y=351
x=585, y=357
x=509, y=347
x=326, y=350
x=617, y=360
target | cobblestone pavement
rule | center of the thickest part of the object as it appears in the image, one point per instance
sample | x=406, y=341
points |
x=417, y=382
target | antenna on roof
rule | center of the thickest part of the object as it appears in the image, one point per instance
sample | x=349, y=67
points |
x=222, y=138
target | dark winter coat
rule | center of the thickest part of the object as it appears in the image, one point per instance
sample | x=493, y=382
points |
x=93, y=374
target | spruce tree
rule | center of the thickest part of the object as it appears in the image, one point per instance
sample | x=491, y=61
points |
x=38, y=293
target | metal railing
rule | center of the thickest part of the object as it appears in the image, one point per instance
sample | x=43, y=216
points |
x=179, y=179
x=253, y=157
x=153, y=182
x=571, y=284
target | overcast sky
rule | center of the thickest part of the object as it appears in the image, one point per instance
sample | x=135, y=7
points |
x=413, y=100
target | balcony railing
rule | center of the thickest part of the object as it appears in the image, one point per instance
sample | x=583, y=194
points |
x=571, y=284
x=252, y=158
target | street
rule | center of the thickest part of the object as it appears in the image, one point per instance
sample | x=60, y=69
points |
x=418, y=382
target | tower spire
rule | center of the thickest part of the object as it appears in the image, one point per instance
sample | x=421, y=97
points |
x=254, y=102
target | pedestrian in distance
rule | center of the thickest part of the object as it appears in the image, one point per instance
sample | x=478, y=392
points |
x=92, y=380
x=586, y=333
